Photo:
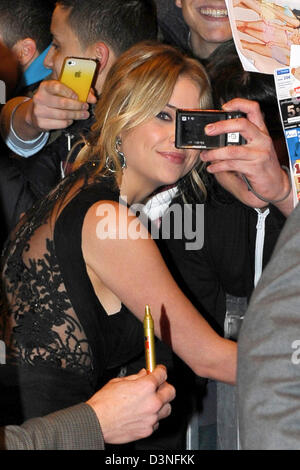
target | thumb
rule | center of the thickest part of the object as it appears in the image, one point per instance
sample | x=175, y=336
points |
x=140, y=374
x=91, y=99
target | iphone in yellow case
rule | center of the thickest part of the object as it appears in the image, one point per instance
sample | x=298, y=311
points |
x=78, y=73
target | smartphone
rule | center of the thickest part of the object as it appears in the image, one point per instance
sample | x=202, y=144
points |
x=78, y=74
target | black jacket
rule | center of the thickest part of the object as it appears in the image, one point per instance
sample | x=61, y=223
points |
x=225, y=263
x=23, y=181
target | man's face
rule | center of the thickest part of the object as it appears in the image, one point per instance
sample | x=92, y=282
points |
x=207, y=18
x=65, y=42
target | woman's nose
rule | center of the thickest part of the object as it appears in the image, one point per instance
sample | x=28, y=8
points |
x=172, y=135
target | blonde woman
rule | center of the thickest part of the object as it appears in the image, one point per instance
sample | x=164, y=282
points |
x=76, y=277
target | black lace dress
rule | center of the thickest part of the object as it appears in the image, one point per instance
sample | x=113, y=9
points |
x=60, y=343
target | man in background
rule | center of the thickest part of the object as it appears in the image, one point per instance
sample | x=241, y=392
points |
x=45, y=127
x=25, y=30
x=196, y=26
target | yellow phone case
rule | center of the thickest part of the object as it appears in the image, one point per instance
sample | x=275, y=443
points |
x=78, y=73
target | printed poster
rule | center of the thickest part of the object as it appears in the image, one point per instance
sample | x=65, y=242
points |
x=287, y=82
x=264, y=32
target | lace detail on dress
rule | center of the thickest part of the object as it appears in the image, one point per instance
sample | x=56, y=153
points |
x=37, y=320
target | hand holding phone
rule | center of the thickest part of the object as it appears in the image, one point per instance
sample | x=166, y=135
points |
x=78, y=74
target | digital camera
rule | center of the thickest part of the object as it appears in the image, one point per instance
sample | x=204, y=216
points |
x=190, y=124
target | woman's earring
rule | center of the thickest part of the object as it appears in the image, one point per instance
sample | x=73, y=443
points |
x=109, y=164
x=120, y=154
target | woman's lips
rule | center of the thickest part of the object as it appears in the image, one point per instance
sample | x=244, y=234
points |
x=174, y=157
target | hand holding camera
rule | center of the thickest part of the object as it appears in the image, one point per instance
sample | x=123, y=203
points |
x=253, y=156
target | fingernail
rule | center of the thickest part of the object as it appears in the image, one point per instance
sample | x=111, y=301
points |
x=209, y=128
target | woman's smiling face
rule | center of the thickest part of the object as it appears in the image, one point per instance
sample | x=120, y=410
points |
x=152, y=158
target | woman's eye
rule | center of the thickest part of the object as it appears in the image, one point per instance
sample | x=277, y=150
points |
x=164, y=116
x=56, y=46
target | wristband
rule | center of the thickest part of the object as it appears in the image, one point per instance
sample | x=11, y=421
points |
x=270, y=201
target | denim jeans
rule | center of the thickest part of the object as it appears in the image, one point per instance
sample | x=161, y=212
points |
x=227, y=422
x=202, y=428
x=227, y=417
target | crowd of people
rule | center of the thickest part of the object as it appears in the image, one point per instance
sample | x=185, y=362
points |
x=79, y=263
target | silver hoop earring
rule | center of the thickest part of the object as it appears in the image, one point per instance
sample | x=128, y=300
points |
x=120, y=154
x=109, y=163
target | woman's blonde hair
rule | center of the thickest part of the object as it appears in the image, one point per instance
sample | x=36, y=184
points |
x=137, y=88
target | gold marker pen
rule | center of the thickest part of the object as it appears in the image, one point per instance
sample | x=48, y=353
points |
x=149, y=341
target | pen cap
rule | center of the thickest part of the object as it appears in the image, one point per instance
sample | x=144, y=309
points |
x=148, y=320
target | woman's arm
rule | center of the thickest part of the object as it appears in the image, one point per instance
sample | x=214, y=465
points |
x=272, y=50
x=276, y=34
x=129, y=264
x=271, y=11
